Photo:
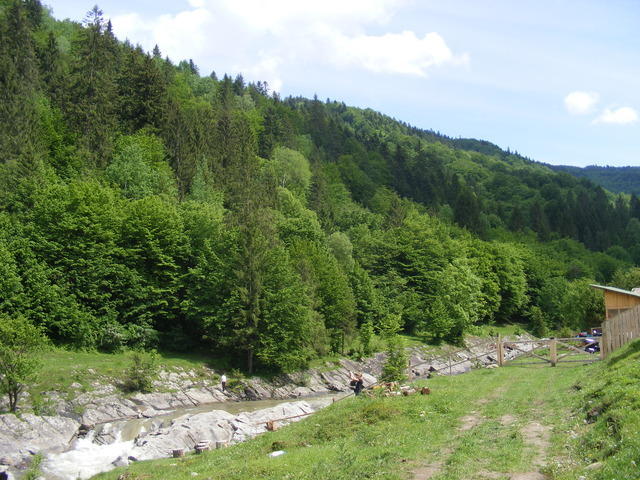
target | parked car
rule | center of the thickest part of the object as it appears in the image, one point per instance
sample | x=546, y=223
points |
x=592, y=346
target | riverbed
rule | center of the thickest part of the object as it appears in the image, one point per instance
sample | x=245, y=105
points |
x=110, y=445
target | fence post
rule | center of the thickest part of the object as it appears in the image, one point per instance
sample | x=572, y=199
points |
x=500, y=351
x=553, y=352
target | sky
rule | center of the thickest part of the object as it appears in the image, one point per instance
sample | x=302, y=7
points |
x=555, y=80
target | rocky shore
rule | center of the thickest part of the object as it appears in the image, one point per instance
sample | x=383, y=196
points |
x=24, y=436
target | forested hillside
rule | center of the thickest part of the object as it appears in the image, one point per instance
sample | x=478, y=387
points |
x=146, y=204
x=614, y=179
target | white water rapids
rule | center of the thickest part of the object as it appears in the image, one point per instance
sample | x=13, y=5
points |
x=86, y=458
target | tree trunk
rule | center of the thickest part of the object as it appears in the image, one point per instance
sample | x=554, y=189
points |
x=250, y=361
x=13, y=401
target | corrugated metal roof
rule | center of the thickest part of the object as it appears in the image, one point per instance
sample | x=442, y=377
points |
x=617, y=290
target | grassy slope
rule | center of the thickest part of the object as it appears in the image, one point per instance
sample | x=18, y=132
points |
x=471, y=426
x=610, y=404
x=62, y=368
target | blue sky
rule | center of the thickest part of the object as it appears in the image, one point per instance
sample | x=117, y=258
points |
x=556, y=80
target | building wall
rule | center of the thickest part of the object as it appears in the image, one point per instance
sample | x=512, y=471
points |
x=616, y=303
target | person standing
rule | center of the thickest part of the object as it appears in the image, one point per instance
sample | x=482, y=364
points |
x=223, y=382
x=356, y=382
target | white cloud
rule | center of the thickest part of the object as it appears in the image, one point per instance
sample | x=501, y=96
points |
x=279, y=15
x=180, y=36
x=618, y=116
x=401, y=53
x=262, y=39
x=266, y=70
x=580, y=103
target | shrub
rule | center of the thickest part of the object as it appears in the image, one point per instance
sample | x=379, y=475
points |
x=394, y=369
x=143, y=371
x=20, y=344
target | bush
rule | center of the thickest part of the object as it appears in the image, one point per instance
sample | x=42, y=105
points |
x=143, y=371
x=41, y=405
x=235, y=380
x=20, y=345
x=394, y=369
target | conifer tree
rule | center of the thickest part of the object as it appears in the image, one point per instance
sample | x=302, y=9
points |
x=92, y=100
x=20, y=146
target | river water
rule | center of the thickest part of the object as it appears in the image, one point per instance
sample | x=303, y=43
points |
x=86, y=458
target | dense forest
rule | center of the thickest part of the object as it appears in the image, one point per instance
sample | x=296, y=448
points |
x=145, y=205
x=614, y=179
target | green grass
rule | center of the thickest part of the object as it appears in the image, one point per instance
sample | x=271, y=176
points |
x=61, y=368
x=33, y=472
x=389, y=438
x=609, y=403
x=504, y=330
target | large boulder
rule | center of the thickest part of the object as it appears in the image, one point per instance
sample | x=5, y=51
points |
x=184, y=433
x=21, y=437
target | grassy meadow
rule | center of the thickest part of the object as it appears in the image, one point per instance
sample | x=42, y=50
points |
x=489, y=423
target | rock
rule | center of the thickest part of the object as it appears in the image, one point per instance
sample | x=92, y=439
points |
x=181, y=388
x=121, y=461
x=157, y=401
x=594, y=466
x=184, y=432
x=20, y=438
x=216, y=427
x=198, y=396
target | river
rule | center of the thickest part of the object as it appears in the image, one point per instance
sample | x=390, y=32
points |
x=86, y=458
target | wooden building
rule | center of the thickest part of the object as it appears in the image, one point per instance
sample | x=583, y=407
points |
x=622, y=318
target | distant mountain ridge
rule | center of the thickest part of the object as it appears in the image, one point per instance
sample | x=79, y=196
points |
x=614, y=179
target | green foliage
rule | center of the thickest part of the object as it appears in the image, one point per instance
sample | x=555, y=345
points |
x=342, y=249
x=395, y=366
x=143, y=205
x=617, y=180
x=626, y=279
x=609, y=406
x=291, y=170
x=34, y=472
x=142, y=372
x=139, y=169
x=20, y=344
x=538, y=322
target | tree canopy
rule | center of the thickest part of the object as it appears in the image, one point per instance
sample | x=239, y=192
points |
x=143, y=205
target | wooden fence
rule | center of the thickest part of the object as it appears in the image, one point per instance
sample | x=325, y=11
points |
x=620, y=330
x=550, y=351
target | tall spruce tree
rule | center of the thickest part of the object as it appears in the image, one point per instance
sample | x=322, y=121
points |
x=20, y=146
x=92, y=99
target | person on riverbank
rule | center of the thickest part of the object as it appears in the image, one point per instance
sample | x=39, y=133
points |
x=223, y=382
x=356, y=382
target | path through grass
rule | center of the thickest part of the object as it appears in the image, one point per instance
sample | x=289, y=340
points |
x=492, y=423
